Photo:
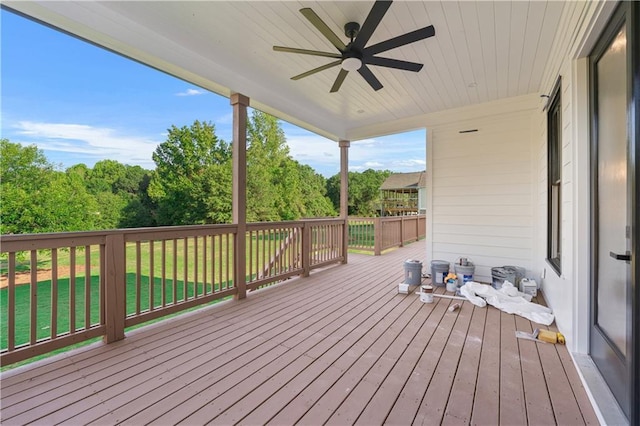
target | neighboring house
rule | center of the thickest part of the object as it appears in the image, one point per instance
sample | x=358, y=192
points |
x=532, y=111
x=403, y=194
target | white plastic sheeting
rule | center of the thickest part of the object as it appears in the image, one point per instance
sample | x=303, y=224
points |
x=508, y=299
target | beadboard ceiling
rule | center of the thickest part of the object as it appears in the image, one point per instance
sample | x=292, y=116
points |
x=482, y=51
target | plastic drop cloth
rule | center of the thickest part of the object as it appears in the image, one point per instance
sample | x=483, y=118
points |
x=508, y=299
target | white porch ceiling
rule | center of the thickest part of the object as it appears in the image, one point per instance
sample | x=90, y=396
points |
x=482, y=51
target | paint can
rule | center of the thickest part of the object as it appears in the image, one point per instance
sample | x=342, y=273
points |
x=426, y=294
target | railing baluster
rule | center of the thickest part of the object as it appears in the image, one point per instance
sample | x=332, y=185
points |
x=195, y=267
x=220, y=261
x=185, y=281
x=72, y=290
x=151, y=277
x=53, y=322
x=138, y=279
x=164, y=273
x=34, y=296
x=230, y=276
x=213, y=264
x=102, y=279
x=87, y=287
x=251, y=256
x=204, y=265
x=175, y=272
x=11, y=303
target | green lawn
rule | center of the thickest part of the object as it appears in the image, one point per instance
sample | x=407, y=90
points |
x=44, y=298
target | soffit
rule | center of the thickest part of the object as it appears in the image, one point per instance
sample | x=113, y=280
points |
x=482, y=52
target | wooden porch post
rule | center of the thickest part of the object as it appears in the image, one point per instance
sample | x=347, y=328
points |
x=344, y=194
x=115, y=310
x=239, y=196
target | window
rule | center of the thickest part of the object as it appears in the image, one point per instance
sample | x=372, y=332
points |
x=554, y=179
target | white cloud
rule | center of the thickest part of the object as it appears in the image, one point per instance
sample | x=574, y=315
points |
x=395, y=154
x=96, y=142
x=225, y=119
x=191, y=92
x=373, y=164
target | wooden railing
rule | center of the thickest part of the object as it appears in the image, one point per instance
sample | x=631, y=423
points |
x=65, y=288
x=376, y=234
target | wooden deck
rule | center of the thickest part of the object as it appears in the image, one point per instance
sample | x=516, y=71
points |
x=339, y=347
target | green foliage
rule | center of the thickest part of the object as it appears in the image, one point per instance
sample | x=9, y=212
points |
x=314, y=193
x=192, y=184
x=364, y=191
x=37, y=198
x=278, y=187
x=192, y=181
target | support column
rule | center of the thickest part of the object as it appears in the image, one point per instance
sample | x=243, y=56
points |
x=344, y=194
x=239, y=191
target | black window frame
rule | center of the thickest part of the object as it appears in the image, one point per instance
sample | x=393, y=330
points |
x=554, y=178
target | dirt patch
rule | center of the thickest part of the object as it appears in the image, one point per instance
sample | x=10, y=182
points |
x=43, y=275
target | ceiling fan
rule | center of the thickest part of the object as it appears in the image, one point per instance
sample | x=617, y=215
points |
x=356, y=56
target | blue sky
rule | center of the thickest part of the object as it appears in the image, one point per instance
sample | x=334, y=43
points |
x=82, y=104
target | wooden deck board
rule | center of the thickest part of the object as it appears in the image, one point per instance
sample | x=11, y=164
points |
x=460, y=405
x=437, y=395
x=339, y=347
x=512, y=403
x=539, y=410
x=486, y=404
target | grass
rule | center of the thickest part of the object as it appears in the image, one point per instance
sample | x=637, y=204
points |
x=44, y=304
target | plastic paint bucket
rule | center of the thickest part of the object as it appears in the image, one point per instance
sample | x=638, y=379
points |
x=439, y=270
x=518, y=272
x=501, y=274
x=413, y=272
x=464, y=273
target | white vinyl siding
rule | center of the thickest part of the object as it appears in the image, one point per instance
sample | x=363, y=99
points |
x=483, y=192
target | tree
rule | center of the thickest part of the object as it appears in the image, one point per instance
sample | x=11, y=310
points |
x=364, y=191
x=314, y=193
x=38, y=198
x=267, y=172
x=278, y=187
x=192, y=181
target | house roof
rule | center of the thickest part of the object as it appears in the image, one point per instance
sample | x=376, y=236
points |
x=405, y=181
x=481, y=52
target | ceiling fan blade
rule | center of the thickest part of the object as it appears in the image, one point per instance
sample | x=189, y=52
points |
x=306, y=52
x=366, y=73
x=407, y=38
x=376, y=14
x=339, y=79
x=394, y=63
x=315, y=70
x=323, y=28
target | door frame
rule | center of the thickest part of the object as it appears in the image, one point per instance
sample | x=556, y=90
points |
x=629, y=12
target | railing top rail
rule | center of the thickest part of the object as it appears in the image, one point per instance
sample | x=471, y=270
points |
x=324, y=221
x=49, y=241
